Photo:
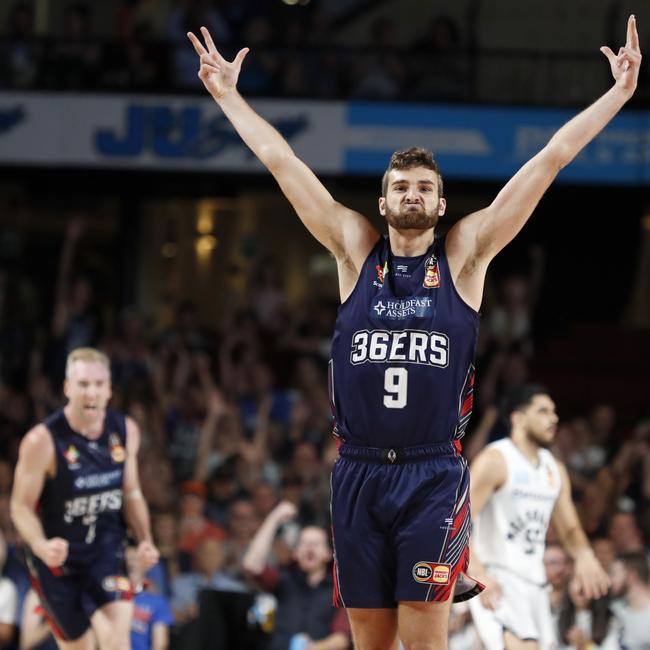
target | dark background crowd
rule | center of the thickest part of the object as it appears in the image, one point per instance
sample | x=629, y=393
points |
x=234, y=408
x=320, y=49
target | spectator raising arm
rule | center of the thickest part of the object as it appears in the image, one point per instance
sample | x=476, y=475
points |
x=256, y=556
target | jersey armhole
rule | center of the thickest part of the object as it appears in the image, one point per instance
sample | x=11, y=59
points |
x=363, y=266
x=503, y=485
x=54, y=449
x=462, y=300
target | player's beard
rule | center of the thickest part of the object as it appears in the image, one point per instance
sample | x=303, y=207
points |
x=409, y=219
x=541, y=439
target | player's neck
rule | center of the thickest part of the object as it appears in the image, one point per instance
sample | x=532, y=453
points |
x=526, y=446
x=89, y=429
x=410, y=243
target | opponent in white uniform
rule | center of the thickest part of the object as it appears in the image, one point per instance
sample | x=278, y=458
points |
x=518, y=488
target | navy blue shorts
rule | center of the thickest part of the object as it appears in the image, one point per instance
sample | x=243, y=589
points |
x=71, y=594
x=400, y=525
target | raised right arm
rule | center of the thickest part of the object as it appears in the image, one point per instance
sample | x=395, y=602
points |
x=345, y=233
x=36, y=460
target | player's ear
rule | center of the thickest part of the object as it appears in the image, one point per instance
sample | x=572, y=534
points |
x=442, y=206
x=66, y=388
x=516, y=418
x=382, y=206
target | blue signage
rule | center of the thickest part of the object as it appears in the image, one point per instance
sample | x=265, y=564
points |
x=493, y=143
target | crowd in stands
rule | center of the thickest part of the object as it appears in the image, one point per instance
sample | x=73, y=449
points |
x=237, y=451
x=292, y=52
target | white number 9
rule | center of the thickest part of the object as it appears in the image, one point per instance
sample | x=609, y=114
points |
x=396, y=387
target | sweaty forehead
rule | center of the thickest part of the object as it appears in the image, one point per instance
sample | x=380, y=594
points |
x=413, y=175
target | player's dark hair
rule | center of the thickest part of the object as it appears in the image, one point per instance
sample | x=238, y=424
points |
x=520, y=398
x=637, y=562
x=409, y=158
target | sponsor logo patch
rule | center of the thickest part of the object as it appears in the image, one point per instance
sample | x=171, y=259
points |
x=550, y=476
x=382, y=271
x=431, y=274
x=72, y=456
x=432, y=573
x=118, y=453
x=401, y=308
x=116, y=583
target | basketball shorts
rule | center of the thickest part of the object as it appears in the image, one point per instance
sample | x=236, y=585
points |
x=523, y=610
x=400, y=526
x=71, y=594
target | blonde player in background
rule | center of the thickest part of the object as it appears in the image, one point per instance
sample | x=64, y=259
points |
x=76, y=482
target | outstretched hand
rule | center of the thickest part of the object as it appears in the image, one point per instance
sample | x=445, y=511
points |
x=590, y=578
x=625, y=65
x=218, y=75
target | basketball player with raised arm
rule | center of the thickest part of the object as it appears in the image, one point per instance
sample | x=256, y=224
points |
x=401, y=374
x=75, y=484
x=518, y=489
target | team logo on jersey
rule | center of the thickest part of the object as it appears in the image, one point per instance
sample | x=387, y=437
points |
x=431, y=274
x=117, y=583
x=118, y=453
x=72, y=456
x=432, y=573
x=550, y=476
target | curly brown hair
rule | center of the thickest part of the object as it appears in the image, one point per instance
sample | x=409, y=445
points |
x=409, y=158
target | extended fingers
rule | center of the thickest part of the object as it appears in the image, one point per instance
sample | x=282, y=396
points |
x=240, y=56
x=210, y=43
x=608, y=53
x=632, y=34
x=200, y=50
x=624, y=56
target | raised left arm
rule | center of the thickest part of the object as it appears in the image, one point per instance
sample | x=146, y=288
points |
x=591, y=576
x=136, y=512
x=475, y=240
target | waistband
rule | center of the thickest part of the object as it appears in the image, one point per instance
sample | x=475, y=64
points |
x=397, y=455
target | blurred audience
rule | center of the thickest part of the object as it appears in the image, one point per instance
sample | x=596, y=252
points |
x=631, y=583
x=8, y=602
x=585, y=623
x=558, y=573
x=237, y=451
x=303, y=590
x=152, y=616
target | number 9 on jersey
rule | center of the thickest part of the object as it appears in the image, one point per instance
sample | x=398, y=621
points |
x=396, y=387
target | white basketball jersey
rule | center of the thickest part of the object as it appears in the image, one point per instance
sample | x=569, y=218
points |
x=510, y=531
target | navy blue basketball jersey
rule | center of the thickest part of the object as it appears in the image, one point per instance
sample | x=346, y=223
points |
x=401, y=372
x=83, y=502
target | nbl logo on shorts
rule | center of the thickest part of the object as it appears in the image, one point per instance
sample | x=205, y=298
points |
x=432, y=573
